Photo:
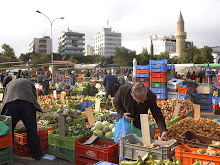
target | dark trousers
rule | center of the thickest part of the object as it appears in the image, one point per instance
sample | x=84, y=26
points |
x=45, y=85
x=25, y=111
x=109, y=90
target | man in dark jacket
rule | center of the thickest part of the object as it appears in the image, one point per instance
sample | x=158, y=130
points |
x=131, y=100
x=109, y=82
x=20, y=102
x=43, y=80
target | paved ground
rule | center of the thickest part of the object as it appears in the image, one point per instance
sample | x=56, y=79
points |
x=19, y=160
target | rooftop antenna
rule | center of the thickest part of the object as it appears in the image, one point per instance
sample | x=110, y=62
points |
x=108, y=23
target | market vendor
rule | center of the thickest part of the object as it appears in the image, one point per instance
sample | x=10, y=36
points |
x=131, y=100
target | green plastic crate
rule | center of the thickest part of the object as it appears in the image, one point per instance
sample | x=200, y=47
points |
x=171, y=71
x=63, y=142
x=81, y=121
x=158, y=84
x=6, y=156
x=7, y=121
x=62, y=153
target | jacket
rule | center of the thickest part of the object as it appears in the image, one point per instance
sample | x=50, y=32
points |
x=21, y=89
x=124, y=103
x=110, y=80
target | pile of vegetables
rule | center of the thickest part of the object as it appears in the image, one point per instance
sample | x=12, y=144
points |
x=201, y=126
x=167, y=107
x=60, y=85
x=103, y=129
x=86, y=89
x=210, y=151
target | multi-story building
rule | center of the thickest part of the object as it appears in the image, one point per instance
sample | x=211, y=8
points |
x=106, y=41
x=40, y=45
x=71, y=43
x=89, y=50
x=216, y=54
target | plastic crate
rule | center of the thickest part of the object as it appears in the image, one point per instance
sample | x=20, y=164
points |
x=215, y=100
x=158, y=69
x=181, y=96
x=206, y=82
x=172, y=95
x=83, y=106
x=157, y=62
x=7, y=121
x=182, y=90
x=145, y=79
x=142, y=75
x=161, y=96
x=100, y=154
x=129, y=149
x=158, y=74
x=206, y=107
x=62, y=153
x=164, y=79
x=203, y=101
x=159, y=90
x=189, y=83
x=171, y=67
x=146, y=83
x=142, y=71
x=6, y=141
x=216, y=112
x=6, y=155
x=172, y=76
x=204, y=96
x=187, y=136
x=188, y=156
x=159, y=100
x=79, y=160
x=64, y=142
x=142, y=67
x=158, y=84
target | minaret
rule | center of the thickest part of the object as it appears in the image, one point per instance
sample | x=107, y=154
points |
x=180, y=36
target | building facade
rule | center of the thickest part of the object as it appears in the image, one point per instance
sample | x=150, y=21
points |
x=106, y=41
x=216, y=54
x=180, y=36
x=89, y=50
x=71, y=43
x=40, y=45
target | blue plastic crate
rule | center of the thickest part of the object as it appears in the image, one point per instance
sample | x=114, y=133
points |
x=215, y=100
x=206, y=82
x=158, y=70
x=158, y=66
x=181, y=96
x=142, y=67
x=172, y=76
x=170, y=66
x=83, y=106
x=172, y=95
x=155, y=62
x=142, y=75
x=204, y=96
x=159, y=90
x=189, y=84
x=203, y=101
x=206, y=107
x=161, y=96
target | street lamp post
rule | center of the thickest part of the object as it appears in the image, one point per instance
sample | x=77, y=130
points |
x=51, y=45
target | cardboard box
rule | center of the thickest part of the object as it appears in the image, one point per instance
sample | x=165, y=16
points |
x=203, y=89
x=174, y=83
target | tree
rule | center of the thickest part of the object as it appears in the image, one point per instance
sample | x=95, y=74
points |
x=124, y=56
x=144, y=57
x=206, y=53
x=199, y=59
x=8, y=54
x=188, y=54
x=163, y=55
x=25, y=57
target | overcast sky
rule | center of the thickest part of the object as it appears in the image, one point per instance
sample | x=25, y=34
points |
x=135, y=19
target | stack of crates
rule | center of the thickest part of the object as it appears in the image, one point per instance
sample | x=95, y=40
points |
x=158, y=78
x=207, y=80
x=204, y=100
x=142, y=75
x=182, y=92
x=170, y=72
x=215, y=105
x=6, y=142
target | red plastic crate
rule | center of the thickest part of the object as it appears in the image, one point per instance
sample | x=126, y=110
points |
x=164, y=79
x=215, y=107
x=101, y=154
x=158, y=74
x=185, y=115
x=187, y=156
x=159, y=100
x=206, y=80
x=84, y=161
x=142, y=71
x=182, y=90
x=6, y=141
x=146, y=83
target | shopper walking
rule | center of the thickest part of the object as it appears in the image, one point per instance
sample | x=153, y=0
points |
x=20, y=102
x=43, y=80
x=72, y=78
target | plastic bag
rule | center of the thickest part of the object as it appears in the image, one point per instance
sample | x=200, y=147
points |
x=3, y=128
x=121, y=129
x=135, y=130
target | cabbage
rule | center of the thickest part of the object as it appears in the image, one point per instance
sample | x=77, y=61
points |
x=113, y=130
x=93, y=129
x=105, y=129
x=109, y=135
x=98, y=133
x=98, y=125
x=105, y=123
x=111, y=126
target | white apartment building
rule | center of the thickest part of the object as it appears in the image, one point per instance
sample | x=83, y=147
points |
x=164, y=44
x=216, y=54
x=105, y=42
x=71, y=43
x=40, y=45
x=89, y=50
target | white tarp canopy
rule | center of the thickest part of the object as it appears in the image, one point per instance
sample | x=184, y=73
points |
x=85, y=66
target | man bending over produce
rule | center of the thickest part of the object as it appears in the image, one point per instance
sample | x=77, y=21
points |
x=131, y=100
